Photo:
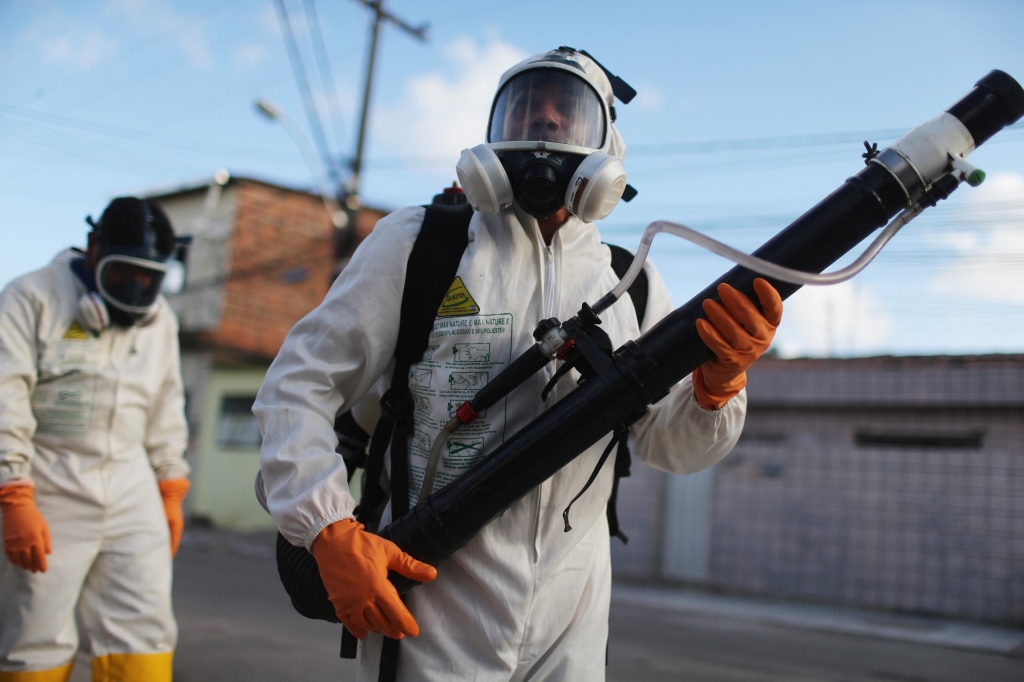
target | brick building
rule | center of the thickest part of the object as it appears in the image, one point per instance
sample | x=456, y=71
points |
x=262, y=257
x=885, y=483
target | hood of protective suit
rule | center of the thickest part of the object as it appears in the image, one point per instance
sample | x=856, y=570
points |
x=614, y=145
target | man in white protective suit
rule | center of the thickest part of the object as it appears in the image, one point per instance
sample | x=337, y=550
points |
x=92, y=474
x=524, y=600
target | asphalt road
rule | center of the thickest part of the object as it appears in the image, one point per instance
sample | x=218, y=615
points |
x=237, y=624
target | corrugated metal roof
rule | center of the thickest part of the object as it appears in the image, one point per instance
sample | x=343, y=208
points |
x=921, y=381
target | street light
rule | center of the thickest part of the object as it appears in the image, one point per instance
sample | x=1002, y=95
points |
x=272, y=111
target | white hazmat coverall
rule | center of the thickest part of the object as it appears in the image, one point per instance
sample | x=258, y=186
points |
x=524, y=600
x=94, y=422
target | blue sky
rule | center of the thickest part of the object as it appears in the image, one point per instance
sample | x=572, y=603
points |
x=748, y=114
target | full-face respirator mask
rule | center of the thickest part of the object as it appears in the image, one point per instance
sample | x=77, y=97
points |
x=550, y=142
x=124, y=289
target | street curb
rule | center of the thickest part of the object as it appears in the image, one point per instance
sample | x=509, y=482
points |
x=922, y=630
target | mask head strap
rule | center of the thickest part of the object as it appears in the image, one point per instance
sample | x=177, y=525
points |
x=620, y=88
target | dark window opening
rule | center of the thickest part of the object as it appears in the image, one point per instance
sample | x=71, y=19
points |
x=971, y=440
x=762, y=437
x=238, y=426
x=295, y=275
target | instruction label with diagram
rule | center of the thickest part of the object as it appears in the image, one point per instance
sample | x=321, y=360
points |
x=65, y=393
x=464, y=353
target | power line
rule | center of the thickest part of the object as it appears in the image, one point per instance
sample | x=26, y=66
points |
x=147, y=137
x=324, y=68
x=312, y=113
x=737, y=144
x=710, y=147
x=62, y=147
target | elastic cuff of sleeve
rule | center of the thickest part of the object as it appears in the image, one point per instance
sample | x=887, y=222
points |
x=323, y=523
x=715, y=402
x=21, y=480
x=168, y=472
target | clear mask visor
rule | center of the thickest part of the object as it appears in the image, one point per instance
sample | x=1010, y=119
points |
x=548, y=105
x=129, y=283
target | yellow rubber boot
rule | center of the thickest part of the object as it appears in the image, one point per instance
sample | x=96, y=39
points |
x=60, y=674
x=132, y=667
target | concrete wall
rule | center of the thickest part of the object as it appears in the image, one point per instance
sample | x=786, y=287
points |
x=222, y=491
x=208, y=216
x=641, y=516
x=884, y=483
x=801, y=509
x=196, y=368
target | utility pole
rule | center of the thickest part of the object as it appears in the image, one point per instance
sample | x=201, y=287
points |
x=380, y=15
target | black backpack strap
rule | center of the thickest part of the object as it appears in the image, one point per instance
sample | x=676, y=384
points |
x=623, y=461
x=432, y=265
x=638, y=290
x=352, y=442
x=621, y=260
x=431, y=268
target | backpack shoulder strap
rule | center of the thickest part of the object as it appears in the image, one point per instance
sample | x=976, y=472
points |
x=432, y=265
x=431, y=268
x=621, y=260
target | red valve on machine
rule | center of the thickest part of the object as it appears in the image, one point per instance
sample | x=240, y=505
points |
x=564, y=350
x=466, y=414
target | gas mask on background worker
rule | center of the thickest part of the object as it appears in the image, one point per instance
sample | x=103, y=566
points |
x=125, y=287
x=550, y=141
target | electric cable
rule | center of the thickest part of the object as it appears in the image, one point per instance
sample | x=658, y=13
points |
x=323, y=63
x=312, y=112
x=160, y=139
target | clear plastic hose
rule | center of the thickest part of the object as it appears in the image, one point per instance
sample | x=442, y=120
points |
x=435, y=458
x=758, y=265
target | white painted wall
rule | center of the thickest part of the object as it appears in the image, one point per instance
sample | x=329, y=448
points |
x=687, y=541
x=223, y=489
x=209, y=217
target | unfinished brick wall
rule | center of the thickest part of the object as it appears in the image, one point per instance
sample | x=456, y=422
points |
x=281, y=266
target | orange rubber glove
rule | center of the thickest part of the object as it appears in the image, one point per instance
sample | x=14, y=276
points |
x=173, y=491
x=354, y=566
x=26, y=535
x=738, y=334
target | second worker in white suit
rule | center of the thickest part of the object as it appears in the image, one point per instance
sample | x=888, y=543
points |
x=92, y=469
x=524, y=600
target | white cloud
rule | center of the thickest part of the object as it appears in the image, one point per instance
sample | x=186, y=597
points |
x=61, y=38
x=989, y=265
x=266, y=19
x=249, y=55
x=649, y=98
x=841, y=320
x=80, y=52
x=441, y=113
x=189, y=34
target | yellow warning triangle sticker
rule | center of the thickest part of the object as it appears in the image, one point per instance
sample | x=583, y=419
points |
x=457, y=301
x=75, y=331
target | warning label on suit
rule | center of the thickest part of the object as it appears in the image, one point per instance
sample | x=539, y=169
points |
x=465, y=352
